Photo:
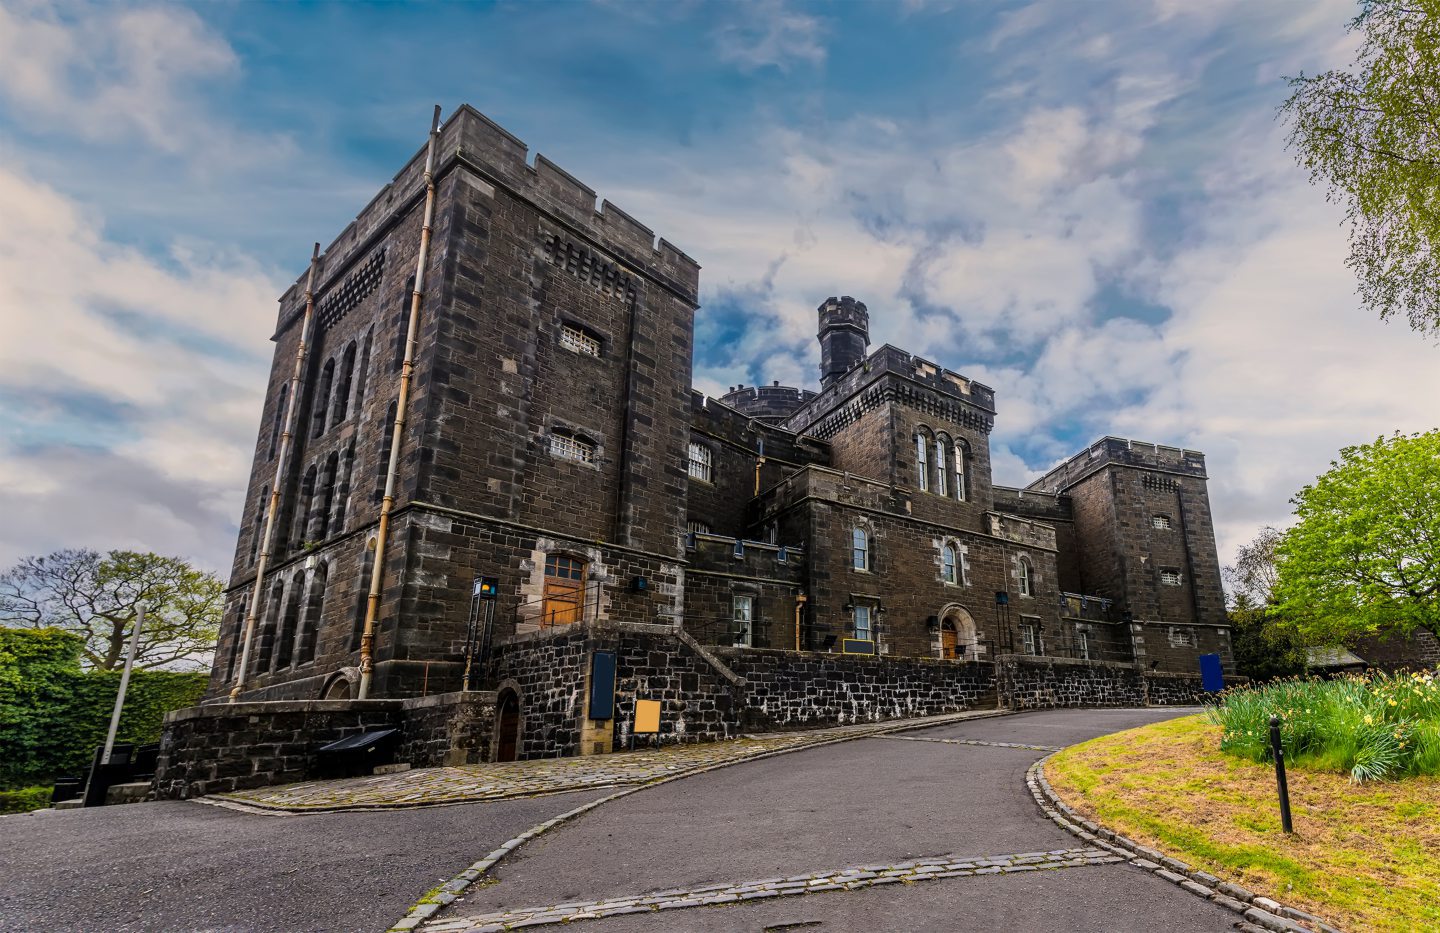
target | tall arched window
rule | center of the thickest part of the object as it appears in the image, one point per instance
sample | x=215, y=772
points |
x=942, y=464
x=314, y=611
x=266, y=635
x=320, y=523
x=362, y=374
x=1026, y=574
x=322, y=399
x=340, y=410
x=362, y=599
x=280, y=405
x=237, y=638
x=947, y=563
x=382, y=458
x=922, y=461
x=342, y=490
x=962, y=466
x=860, y=549
x=261, y=507
x=302, y=508
x=289, y=623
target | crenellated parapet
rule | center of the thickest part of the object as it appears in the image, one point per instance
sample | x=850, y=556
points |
x=1119, y=451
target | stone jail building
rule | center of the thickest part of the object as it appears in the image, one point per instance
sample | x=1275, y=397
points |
x=776, y=542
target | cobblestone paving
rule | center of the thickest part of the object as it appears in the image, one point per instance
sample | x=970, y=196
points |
x=433, y=786
x=916, y=738
x=849, y=879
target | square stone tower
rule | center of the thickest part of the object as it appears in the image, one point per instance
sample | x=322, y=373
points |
x=543, y=443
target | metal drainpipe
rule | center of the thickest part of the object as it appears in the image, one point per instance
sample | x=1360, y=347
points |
x=286, y=439
x=800, y=601
x=377, y=574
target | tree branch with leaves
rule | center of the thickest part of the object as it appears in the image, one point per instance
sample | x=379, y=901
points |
x=97, y=597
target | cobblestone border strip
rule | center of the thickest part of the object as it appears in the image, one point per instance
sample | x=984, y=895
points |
x=1261, y=912
x=446, y=893
x=916, y=738
x=849, y=879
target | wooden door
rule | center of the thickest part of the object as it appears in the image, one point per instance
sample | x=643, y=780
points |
x=949, y=641
x=508, y=724
x=564, y=591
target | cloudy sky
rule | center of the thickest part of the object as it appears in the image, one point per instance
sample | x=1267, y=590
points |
x=1086, y=205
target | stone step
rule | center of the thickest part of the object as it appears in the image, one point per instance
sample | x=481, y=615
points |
x=127, y=793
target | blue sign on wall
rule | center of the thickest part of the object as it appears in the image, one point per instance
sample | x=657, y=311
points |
x=602, y=685
x=1211, y=677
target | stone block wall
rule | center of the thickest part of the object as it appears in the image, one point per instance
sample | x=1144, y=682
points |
x=449, y=729
x=224, y=747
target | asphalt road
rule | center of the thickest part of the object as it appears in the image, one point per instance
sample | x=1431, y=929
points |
x=179, y=866
x=871, y=801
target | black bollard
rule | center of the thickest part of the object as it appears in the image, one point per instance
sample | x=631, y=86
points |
x=1280, y=783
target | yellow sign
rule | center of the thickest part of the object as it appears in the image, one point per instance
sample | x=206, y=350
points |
x=647, y=717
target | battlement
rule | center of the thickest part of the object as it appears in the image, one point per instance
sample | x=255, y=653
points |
x=469, y=138
x=773, y=403
x=719, y=419
x=1123, y=452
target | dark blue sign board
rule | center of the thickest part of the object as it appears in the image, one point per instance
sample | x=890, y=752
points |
x=602, y=685
x=857, y=646
x=1211, y=677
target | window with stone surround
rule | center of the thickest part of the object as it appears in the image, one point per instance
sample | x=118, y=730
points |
x=1031, y=634
x=962, y=465
x=1171, y=577
x=1082, y=645
x=1026, y=575
x=743, y=617
x=1181, y=637
x=577, y=340
x=701, y=462
x=864, y=625
x=564, y=591
x=922, y=461
x=859, y=549
x=948, y=563
x=942, y=464
x=569, y=446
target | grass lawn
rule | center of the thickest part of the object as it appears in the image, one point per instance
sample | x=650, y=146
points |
x=1363, y=856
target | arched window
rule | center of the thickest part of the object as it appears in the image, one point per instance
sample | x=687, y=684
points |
x=266, y=635
x=302, y=508
x=402, y=322
x=340, y=410
x=342, y=490
x=382, y=458
x=922, y=461
x=320, y=522
x=237, y=639
x=947, y=563
x=962, y=467
x=564, y=590
x=942, y=464
x=260, y=509
x=289, y=623
x=362, y=599
x=362, y=374
x=701, y=462
x=314, y=612
x=322, y=399
x=860, y=549
x=1026, y=572
x=279, y=422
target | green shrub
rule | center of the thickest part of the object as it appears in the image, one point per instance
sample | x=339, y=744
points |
x=24, y=799
x=1375, y=727
x=53, y=713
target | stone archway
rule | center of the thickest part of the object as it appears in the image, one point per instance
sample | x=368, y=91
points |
x=959, y=639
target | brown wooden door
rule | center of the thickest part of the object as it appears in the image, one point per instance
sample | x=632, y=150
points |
x=509, y=727
x=564, y=591
x=949, y=641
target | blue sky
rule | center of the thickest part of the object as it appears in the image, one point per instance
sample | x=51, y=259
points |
x=1086, y=205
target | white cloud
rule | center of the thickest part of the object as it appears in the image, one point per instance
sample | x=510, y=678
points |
x=174, y=349
x=771, y=34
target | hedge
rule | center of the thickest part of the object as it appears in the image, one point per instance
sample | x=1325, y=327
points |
x=53, y=713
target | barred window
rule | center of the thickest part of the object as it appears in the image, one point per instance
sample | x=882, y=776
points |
x=1181, y=638
x=1170, y=577
x=575, y=339
x=700, y=460
x=1160, y=521
x=569, y=447
x=697, y=528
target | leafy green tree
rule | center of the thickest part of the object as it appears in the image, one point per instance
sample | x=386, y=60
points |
x=1264, y=647
x=1371, y=137
x=1365, y=554
x=96, y=596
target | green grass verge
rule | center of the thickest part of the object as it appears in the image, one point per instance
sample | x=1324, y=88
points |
x=1366, y=857
x=24, y=799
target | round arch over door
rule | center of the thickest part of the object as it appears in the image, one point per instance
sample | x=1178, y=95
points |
x=958, y=635
x=507, y=726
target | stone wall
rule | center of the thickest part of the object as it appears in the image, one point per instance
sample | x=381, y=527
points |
x=223, y=747
x=449, y=729
x=789, y=690
x=1047, y=683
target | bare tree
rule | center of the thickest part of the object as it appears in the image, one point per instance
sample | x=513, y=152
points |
x=1251, y=579
x=96, y=597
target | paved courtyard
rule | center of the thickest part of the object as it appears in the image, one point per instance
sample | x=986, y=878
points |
x=921, y=830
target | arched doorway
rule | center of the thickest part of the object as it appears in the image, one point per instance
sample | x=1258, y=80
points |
x=507, y=726
x=958, y=637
